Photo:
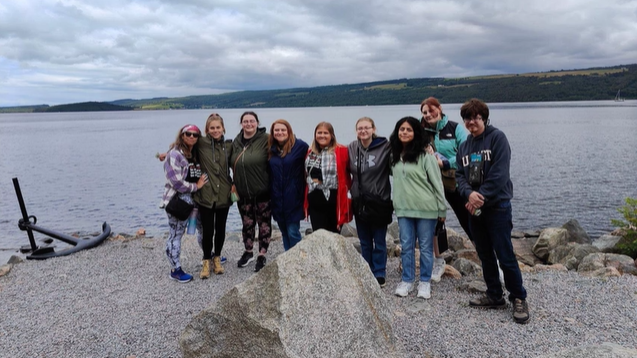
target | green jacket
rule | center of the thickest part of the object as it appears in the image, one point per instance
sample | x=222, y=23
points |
x=214, y=157
x=251, y=172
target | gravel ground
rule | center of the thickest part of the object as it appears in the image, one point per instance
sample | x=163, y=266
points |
x=117, y=301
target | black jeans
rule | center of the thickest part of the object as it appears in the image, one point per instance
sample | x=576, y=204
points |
x=492, y=234
x=213, y=223
x=456, y=201
x=322, y=211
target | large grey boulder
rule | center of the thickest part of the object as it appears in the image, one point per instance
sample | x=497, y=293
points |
x=549, y=239
x=622, y=263
x=571, y=254
x=605, y=350
x=607, y=243
x=318, y=299
x=575, y=232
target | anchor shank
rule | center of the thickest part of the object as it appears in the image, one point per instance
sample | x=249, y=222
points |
x=25, y=216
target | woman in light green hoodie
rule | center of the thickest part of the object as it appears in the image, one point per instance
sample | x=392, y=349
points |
x=419, y=202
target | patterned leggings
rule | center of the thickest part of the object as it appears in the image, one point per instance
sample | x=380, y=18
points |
x=173, y=244
x=252, y=214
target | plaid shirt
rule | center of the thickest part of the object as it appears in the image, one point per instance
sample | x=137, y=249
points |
x=326, y=161
x=176, y=170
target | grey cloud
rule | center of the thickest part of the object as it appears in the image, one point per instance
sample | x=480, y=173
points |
x=105, y=50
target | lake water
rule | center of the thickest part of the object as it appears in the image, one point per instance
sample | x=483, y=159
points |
x=77, y=170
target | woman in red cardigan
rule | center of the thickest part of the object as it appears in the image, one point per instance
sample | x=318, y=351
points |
x=328, y=181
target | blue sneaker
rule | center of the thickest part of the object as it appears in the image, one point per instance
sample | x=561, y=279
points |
x=180, y=276
x=223, y=259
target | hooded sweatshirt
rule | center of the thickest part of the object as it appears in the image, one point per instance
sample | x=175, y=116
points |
x=494, y=148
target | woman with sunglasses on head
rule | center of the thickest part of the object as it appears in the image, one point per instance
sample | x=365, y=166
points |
x=418, y=200
x=252, y=181
x=213, y=199
x=371, y=194
x=328, y=181
x=183, y=177
x=287, y=183
x=445, y=137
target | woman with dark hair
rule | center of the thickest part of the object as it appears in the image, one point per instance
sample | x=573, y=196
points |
x=183, y=177
x=328, y=181
x=252, y=181
x=445, y=139
x=213, y=199
x=418, y=201
x=287, y=183
x=371, y=194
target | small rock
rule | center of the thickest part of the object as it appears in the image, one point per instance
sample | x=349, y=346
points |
x=451, y=272
x=5, y=269
x=141, y=232
x=15, y=259
x=476, y=286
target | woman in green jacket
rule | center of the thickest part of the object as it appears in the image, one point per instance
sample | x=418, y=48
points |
x=252, y=181
x=214, y=198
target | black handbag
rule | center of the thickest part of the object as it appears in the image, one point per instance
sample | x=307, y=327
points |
x=373, y=210
x=179, y=208
x=441, y=233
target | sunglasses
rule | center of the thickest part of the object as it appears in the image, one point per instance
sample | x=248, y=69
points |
x=191, y=134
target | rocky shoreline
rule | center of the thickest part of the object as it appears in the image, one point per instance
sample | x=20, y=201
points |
x=117, y=300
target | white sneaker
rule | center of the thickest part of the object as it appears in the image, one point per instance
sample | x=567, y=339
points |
x=424, y=290
x=438, y=270
x=404, y=288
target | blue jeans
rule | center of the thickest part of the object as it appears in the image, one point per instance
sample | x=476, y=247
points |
x=373, y=246
x=491, y=232
x=290, y=233
x=423, y=230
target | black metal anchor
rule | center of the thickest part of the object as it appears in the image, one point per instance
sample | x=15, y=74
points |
x=27, y=223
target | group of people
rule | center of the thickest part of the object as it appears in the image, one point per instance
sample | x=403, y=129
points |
x=431, y=160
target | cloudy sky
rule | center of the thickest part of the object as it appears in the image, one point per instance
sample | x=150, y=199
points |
x=66, y=51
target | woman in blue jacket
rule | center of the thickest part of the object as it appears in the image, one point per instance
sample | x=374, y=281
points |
x=287, y=181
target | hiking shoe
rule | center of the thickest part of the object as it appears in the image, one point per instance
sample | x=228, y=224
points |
x=180, y=276
x=404, y=288
x=520, y=311
x=205, y=270
x=260, y=263
x=381, y=281
x=424, y=290
x=216, y=265
x=245, y=259
x=438, y=270
x=485, y=301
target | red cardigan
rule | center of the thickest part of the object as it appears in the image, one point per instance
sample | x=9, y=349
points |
x=343, y=202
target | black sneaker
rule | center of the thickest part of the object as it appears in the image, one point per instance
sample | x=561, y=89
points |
x=520, y=311
x=245, y=259
x=260, y=263
x=488, y=302
x=381, y=281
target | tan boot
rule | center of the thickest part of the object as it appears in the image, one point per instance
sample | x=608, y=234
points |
x=216, y=265
x=205, y=270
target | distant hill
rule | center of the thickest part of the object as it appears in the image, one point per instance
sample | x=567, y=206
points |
x=88, y=107
x=564, y=85
x=572, y=85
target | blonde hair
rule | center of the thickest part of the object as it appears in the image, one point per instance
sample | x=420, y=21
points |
x=287, y=147
x=327, y=125
x=367, y=119
x=215, y=117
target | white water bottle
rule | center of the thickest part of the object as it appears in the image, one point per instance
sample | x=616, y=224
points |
x=192, y=222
